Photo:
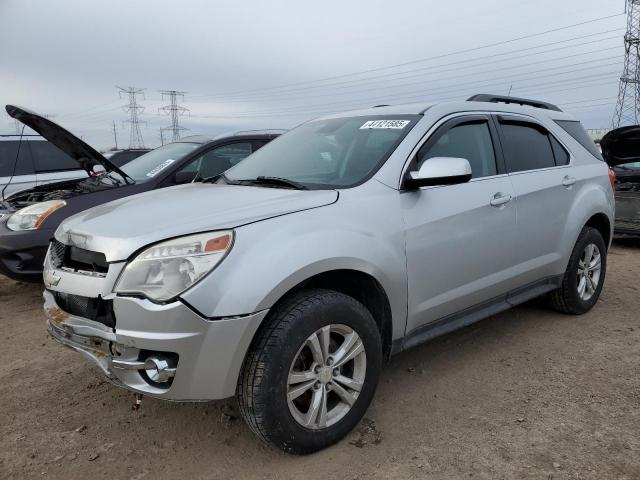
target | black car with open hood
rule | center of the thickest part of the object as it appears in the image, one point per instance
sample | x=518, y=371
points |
x=621, y=151
x=29, y=218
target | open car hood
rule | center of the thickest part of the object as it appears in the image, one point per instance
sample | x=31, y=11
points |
x=621, y=145
x=86, y=156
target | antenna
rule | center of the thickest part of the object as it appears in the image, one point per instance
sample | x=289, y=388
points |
x=133, y=109
x=175, y=110
x=628, y=105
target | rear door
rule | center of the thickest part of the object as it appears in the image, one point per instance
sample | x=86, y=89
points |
x=540, y=169
x=16, y=166
x=53, y=165
x=460, y=239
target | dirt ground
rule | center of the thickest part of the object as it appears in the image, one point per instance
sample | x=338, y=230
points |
x=528, y=393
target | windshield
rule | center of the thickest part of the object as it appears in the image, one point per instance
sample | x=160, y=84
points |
x=333, y=153
x=629, y=166
x=153, y=163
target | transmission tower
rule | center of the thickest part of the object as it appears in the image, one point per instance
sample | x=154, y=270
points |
x=628, y=106
x=175, y=110
x=133, y=109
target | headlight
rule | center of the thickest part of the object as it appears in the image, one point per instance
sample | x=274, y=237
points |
x=167, y=269
x=31, y=217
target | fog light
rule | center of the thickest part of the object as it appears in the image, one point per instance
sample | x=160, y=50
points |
x=158, y=369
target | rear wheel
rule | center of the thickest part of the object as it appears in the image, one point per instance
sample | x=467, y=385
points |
x=311, y=372
x=583, y=280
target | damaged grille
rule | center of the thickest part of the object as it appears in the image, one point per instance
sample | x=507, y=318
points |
x=77, y=259
x=95, y=309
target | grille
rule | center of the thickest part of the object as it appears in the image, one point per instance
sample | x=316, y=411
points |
x=56, y=253
x=95, y=309
x=77, y=259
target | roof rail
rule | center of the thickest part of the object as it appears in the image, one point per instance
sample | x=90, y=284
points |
x=482, y=97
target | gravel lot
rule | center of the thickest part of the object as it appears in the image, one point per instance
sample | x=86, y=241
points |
x=528, y=393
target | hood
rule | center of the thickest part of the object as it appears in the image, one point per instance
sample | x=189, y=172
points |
x=86, y=156
x=123, y=226
x=621, y=145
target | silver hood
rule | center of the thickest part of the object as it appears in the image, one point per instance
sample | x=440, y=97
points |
x=121, y=227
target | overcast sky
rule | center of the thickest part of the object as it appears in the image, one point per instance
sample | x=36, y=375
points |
x=253, y=64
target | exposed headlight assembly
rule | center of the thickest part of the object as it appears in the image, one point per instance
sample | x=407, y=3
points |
x=165, y=270
x=31, y=217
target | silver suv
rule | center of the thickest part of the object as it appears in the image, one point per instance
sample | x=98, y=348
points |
x=288, y=280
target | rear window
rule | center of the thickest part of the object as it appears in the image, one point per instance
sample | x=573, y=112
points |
x=526, y=147
x=8, y=152
x=49, y=158
x=580, y=135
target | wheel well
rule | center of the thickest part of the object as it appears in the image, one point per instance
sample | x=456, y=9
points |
x=601, y=223
x=364, y=288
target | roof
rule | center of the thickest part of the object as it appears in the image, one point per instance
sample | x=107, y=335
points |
x=202, y=139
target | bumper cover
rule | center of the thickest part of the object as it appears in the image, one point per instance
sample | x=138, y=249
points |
x=210, y=352
x=22, y=253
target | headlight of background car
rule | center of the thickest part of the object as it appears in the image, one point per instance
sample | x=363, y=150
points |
x=31, y=217
x=167, y=269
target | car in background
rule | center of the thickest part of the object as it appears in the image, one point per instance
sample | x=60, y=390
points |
x=31, y=216
x=29, y=160
x=122, y=157
x=621, y=151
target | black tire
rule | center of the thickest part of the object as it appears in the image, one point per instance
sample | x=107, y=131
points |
x=262, y=384
x=566, y=298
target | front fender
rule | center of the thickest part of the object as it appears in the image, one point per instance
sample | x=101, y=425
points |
x=271, y=257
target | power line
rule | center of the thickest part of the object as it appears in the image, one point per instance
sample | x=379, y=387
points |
x=430, y=68
x=135, y=137
x=175, y=110
x=413, y=62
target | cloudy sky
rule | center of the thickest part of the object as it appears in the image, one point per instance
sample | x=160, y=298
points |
x=252, y=64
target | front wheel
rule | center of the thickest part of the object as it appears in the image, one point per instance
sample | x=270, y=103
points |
x=583, y=280
x=311, y=372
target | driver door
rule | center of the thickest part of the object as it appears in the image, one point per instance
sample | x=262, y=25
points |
x=460, y=239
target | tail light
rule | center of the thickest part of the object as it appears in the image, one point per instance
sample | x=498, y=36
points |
x=612, y=179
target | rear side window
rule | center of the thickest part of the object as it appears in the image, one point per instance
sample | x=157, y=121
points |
x=526, y=147
x=580, y=135
x=562, y=156
x=49, y=158
x=8, y=153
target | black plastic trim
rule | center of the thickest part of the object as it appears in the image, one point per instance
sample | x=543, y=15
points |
x=476, y=313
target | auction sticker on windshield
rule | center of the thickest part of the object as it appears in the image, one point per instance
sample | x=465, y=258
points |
x=160, y=167
x=395, y=124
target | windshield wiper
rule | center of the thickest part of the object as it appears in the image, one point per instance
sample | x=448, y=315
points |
x=285, y=182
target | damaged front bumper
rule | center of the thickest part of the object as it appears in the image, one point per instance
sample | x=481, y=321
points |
x=207, y=354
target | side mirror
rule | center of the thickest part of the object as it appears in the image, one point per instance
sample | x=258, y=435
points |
x=184, y=177
x=439, y=171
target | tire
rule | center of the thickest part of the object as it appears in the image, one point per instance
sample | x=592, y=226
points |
x=568, y=299
x=280, y=349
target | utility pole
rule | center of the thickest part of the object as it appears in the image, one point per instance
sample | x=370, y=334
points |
x=628, y=106
x=133, y=109
x=175, y=110
x=115, y=134
x=161, y=135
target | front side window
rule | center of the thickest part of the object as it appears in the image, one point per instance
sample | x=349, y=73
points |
x=155, y=162
x=471, y=141
x=332, y=153
x=218, y=160
x=526, y=147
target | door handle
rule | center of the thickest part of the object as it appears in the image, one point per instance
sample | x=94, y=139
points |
x=567, y=181
x=500, y=199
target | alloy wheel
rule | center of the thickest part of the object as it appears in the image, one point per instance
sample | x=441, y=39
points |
x=326, y=376
x=589, y=268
